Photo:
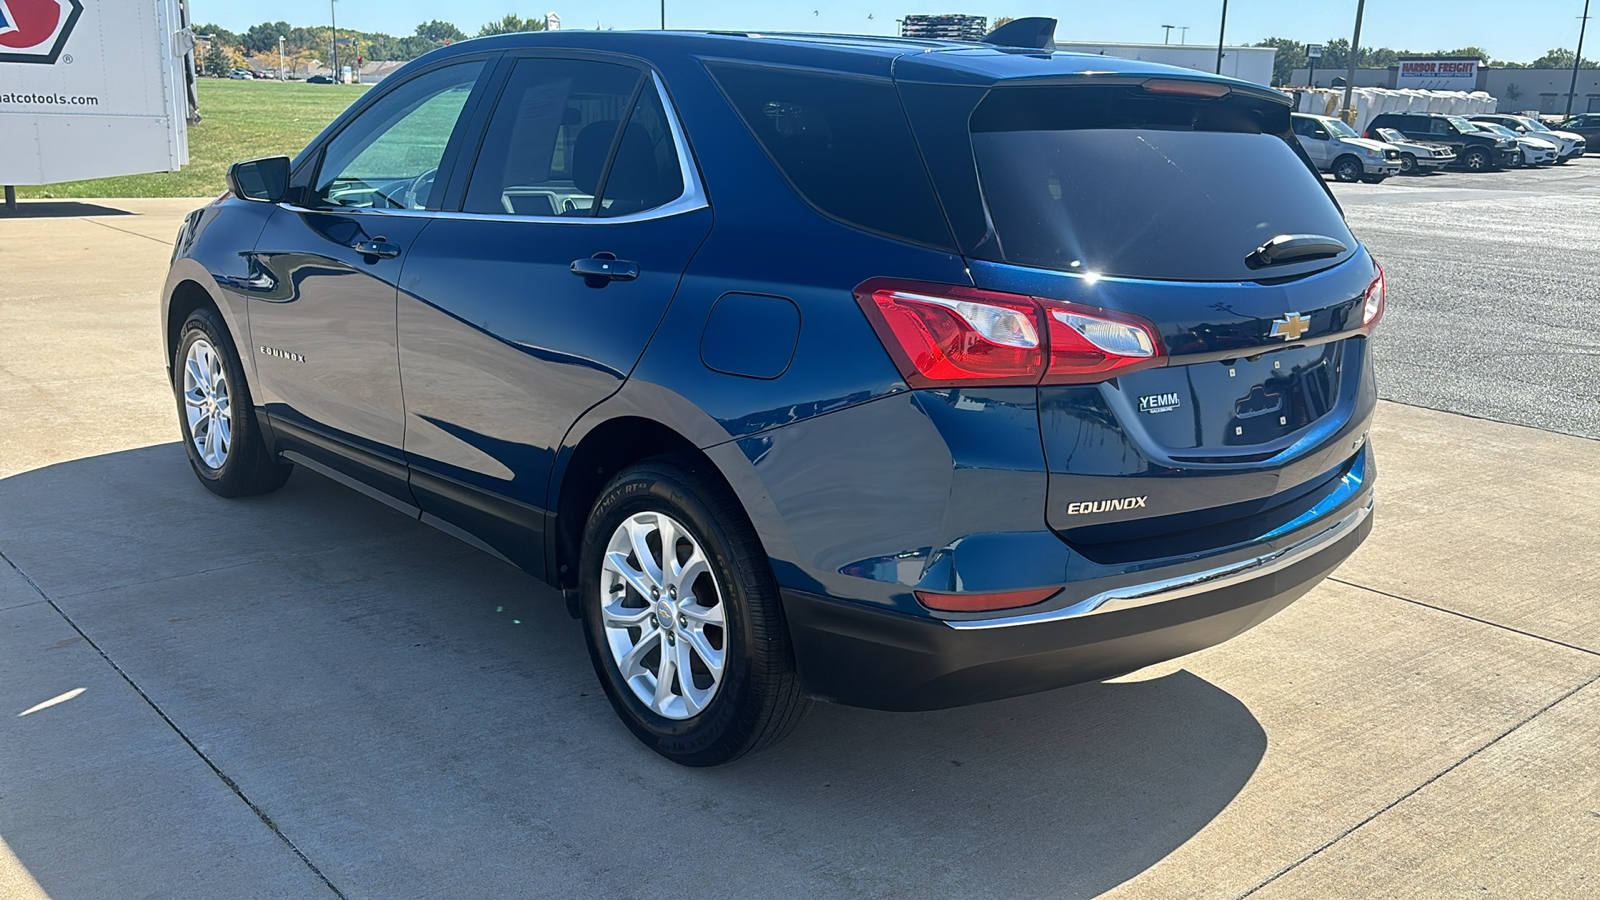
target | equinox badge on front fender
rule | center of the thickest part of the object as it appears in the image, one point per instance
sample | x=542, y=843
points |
x=1099, y=506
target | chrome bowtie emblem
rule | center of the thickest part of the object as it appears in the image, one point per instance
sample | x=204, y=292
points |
x=1290, y=327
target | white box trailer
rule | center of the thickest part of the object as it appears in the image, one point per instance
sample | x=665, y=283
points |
x=93, y=88
x=1246, y=63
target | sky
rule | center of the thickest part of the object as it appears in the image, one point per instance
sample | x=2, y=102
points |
x=1520, y=30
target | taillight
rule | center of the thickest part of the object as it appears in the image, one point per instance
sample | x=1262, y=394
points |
x=966, y=601
x=942, y=335
x=1372, y=311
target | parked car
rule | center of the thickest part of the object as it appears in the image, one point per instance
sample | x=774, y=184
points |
x=239, y=75
x=1586, y=126
x=1535, y=152
x=1417, y=157
x=1476, y=150
x=948, y=421
x=319, y=79
x=1336, y=147
x=1569, y=145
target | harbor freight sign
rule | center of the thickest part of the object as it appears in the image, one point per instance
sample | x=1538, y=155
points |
x=1438, y=74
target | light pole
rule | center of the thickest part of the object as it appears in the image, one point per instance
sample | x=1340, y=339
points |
x=1349, y=114
x=334, y=43
x=1583, y=22
x=280, y=57
x=1167, y=38
x=1221, y=30
x=1183, y=34
x=663, y=15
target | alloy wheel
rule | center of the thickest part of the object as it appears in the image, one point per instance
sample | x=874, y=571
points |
x=663, y=615
x=207, y=403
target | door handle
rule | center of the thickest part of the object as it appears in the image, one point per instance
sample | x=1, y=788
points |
x=377, y=247
x=603, y=268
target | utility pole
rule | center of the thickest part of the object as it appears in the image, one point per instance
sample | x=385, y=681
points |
x=1349, y=114
x=1221, y=30
x=663, y=15
x=1583, y=22
x=334, y=43
x=1167, y=38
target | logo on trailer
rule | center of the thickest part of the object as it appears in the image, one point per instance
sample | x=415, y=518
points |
x=34, y=31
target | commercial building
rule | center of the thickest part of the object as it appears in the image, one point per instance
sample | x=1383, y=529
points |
x=945, y=28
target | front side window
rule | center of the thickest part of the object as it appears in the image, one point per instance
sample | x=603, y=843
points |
x=552, y=146
x=386, y=158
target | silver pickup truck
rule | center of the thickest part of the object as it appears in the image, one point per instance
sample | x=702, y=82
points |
x=1417, y=157
x=1336, y=147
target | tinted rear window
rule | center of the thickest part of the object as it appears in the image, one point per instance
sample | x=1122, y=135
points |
x=843, y=143
x=1113, y=180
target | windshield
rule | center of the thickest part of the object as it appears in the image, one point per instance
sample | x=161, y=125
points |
x=1340, y=128
x=1497, y=129
x=1390, y=135
x=1112, y=180
x=1532, y=124
x=1462, y=125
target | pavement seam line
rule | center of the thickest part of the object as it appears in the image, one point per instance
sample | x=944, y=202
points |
x=1414, y=791
x=126, y=231
x=1462, y=615
x=232, y=785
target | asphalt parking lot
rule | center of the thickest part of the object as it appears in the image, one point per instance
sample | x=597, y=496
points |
x=308, y=694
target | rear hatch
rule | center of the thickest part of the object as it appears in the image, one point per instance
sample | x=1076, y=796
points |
x=1150, y=197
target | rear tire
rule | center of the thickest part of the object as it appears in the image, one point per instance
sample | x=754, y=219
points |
x=638, y=606
x=223, y=440
x=1347, y=169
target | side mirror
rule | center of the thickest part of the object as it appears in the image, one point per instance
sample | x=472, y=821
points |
x=263, y=180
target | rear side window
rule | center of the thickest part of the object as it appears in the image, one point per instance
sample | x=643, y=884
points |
x=1113, y=180
x=843, y=143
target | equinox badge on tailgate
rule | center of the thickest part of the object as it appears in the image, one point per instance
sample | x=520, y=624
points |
x=1098, y=506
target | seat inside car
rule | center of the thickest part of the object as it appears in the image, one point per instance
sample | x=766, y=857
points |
x=634, y=183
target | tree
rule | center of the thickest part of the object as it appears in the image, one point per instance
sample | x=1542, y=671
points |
x=1291, y=55
x=440, y=32
x=216, y=31
x=1559, y=58
x=511, y=24
x=218, y=61
x=263, y=38
x=1001, y=20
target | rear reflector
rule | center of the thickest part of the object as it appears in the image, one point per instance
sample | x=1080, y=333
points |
x=1372, y=311
x=973, y=602
x=947, y=335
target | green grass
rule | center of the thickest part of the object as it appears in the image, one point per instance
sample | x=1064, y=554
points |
x=239, y=120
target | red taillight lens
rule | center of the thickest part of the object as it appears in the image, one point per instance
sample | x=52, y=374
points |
x=974, y=602
x=948, y=333
x=1372, y=311
x=1186, y=88
x=1093, y=345
x=942, y=335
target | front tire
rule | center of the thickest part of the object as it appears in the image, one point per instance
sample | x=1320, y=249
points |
x=1408, y=164
x=1347, y=169
x=224, y=442
x=1476, y=161
x=683, y=619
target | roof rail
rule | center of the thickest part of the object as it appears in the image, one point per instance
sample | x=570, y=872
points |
x=1032, y=33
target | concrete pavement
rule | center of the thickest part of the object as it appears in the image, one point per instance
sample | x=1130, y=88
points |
x=307, y=694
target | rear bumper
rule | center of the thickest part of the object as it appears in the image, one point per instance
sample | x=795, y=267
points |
x=852, y=654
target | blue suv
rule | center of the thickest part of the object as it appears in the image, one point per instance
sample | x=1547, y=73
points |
x=902, y=374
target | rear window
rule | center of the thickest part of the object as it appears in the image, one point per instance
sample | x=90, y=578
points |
x=1114, y=180
x=843, y=143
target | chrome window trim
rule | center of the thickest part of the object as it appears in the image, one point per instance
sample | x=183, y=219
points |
x=692, y=198
x=1153, y=592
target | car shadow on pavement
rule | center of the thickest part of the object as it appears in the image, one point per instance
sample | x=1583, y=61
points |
x=420, y=718
x=59, y=209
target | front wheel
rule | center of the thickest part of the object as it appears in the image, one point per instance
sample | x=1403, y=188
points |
x=683, y=619
x=216, y=416
x=1347, y=169
x=1408, y=164
x=1476, y=161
